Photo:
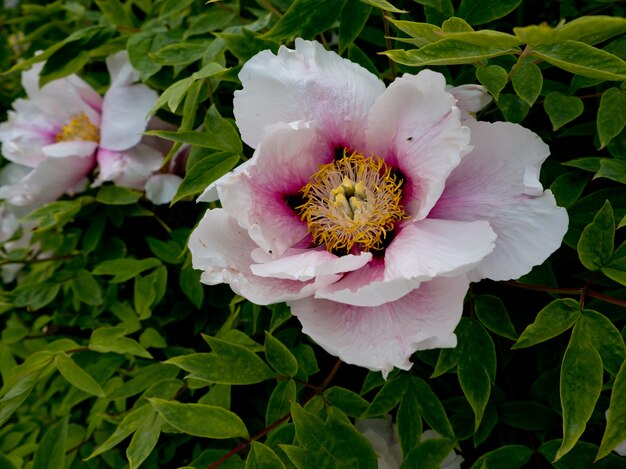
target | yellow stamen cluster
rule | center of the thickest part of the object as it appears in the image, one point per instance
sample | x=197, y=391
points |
x=352, y=201
x=79, y=128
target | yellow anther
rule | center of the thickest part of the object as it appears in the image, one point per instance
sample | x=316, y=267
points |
x=79, y=128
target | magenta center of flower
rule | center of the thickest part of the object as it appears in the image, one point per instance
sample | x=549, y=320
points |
x=79, y=128
x=352, y=203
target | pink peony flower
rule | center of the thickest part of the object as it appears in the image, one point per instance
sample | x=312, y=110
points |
x=56, y=135
x=369, y=210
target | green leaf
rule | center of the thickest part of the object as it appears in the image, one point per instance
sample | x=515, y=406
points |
x=580, y=457
x=189, y=282
x=595, y=245
x=228, y=364
x=615, y=432
x=562, y=109
x=611, y=115
x=206, y=421
x=126, y=268
x=513, y=108
x=383, y=5
x=76, y=376
x=333, y=441
x=354, y=15
x=168, y=251
x=581, y=383
x=612, y=168
x=568, y=187
x=181, y=53
x=551, y=321
x=143, y=378
x=421, y=33
x=476, y=366
x=431, y=408
x=408, y=420
x=205, y=172
x=86, y=288
x=262, y=457
x=493, y=77
x=144, y=440
x=388, y=397
x=484, y=11
x=305, y=19
x=493, y=315
x=446, y=52
x=528, y=415
x=280, y=401
x=279, y=357
x=606, y=338
x=117, y=195
x=591, y=29
x=128, y=425
x=50, y=453
x=582, y=59
x=428, y=454
x=348, y=401
x=527, y=82
x=505, y=457
x=111, y=339
x=115, y=13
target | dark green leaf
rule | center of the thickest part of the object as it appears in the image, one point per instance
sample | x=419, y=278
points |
x=206, y=421
x=115, y=13
x=280, y=401
x=86, y=288
x=494, y=78
x=580, y=457
x=431, y=408
x=279, y=357
x=615, y=432
x=305, y=19
x=348, y=401
x=505, y=457
x=493, y=315
x=527, y=82
x=383, y=5
x=125, y=269
x=408, y=420
x=50, y=453
x=262, y=457
x=428, y=454
x=354, y=15
x=205, y=172
x=562, y=109
x=611, y=115
x=483, y=11
x=596, y=242
x=76, y=376
x=111, y=339
x=388, y=397
x=528, y=415
x=606, y=338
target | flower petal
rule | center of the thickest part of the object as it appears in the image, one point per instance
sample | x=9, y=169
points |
x=383, y=337
x=222, y=250
x=47, y=182
x=308, y=83
x=421, y=251
x=130, y=168
x=498, y=182
x=124, y=115
x=470, y=98
x=82, y=148
x=416, y=127
x=306, y=264
x=258, y=196
x=161, y=188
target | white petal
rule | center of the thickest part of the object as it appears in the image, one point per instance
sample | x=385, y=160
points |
x=420, y=251
x=130, y=168
x=470, y=98
x=222, y=250
x=161, y=188
x=416, y=127
x=383, y=337
x=306, y=264
x=308, y=83
x=124, y=115
x=498, y=182
x=82, y=148
x=120, y=69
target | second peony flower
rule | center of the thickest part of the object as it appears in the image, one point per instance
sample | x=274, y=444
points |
x=370, y=209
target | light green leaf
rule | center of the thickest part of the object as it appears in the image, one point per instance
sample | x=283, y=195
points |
x=115, y=13
x=333, y=440
x=86, y=288
x=205, y=172
x=562, y=109
x=117, y=195
x=221, y=132
x=76, y=376
x=493, y=77
x=493, y=315
x=131, y=422
x=305, y=19
x=505, y=457
x=262, y=457
x=383, y=5
x=591, y=29
x=144, y=440
x=581, y=383
x=606, y=338
x=551, y=321
x=527, y=82
x=50, y=453
x=279, y=357
x=111, y=339
x=582, y=59
x=446, y=52
x=126, y=268
x=206, y=421
x=181, y=53
x=615, y=432
x=596, y=241
x=484, y=11
x=228, y=364
x=422, y=33
x=611, y=115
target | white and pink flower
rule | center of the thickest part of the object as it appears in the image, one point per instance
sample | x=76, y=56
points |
x=56, y=136
x=370, y=209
